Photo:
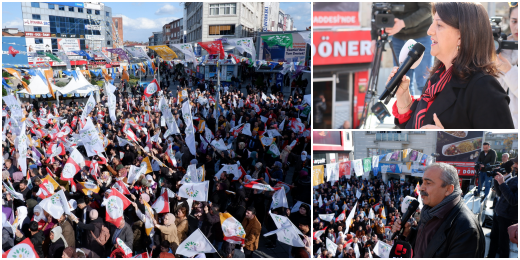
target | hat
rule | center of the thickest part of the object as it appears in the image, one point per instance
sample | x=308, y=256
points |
x=258, y=165
x=278, y=163
x=194, y=161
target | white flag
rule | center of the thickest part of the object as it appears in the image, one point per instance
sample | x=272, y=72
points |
x=279, y=199
x=297, y=206
x=326, y=217
x=350, y=217
x=219, y=145
x=371, y=214
x=123, y=141
x=91, y=103
x=247, y=130
x=243, y=45
x=90, y=138
x=286, y=232
x=195, y=244
x=358, y=167
x=195, y=191
x=191, y=175
x=331, y=246
x=22, y=149
x=382, y=249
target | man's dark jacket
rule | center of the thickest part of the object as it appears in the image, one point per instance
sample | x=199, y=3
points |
x=460, y=236
x=490, y=158
x=507, y=205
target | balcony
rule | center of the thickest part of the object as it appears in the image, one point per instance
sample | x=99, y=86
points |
x=391, y=137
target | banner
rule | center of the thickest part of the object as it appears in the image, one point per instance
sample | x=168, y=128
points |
x=213, y=48
x=284, y=40
x=120, y=52
x=306, y=35
x=137, y=53
x=164, y=51
x=187, y=50
x=344, y=169
x=244, y=45
x=317, y=175
x=90, y=138
x=195, y=191
x=459, y=146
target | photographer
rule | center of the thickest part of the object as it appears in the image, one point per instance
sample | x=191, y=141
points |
x=506, y=210
x=447, y=228
x=413, y=23
x=487, y=156
x=507, y=63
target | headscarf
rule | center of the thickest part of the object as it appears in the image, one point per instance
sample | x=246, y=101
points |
x=304, y=156
x=69, y=251
x=57, y=235
x=22, y=214
x=39, y=209
x=6, y=224
x=93, y=214
x=253, y=156
x=150, y=178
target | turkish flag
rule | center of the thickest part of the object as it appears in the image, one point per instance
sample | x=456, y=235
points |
x=214, y=47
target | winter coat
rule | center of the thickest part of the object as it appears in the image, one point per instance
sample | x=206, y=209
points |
x=126, y=235
x=252, y=228
x=56, y=249
x=68, y=232
x=94, y=226
x=7, y=239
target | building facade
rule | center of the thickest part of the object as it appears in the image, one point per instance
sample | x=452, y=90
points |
x=66, y=26
x=332, y=147
x=177, y=31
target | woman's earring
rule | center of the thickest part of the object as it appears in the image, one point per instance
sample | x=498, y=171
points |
x=458, y=47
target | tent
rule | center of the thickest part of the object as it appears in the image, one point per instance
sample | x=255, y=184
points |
x=78, y=86
x=38, y=86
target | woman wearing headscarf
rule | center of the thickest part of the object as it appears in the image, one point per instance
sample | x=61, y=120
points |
x=21, y=221
x=58, y=243
x=7, y=234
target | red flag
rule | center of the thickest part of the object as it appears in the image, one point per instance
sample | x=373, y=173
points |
x=130, y=135
x=344, y=169
x=120, y=186
x=115, y=204
x=162, y=204
x=152, y=88
x=74, y=121
x=13, y=51
x=24, y=249
x=43, y=193
x=317, y=234
x=213, y=48
x=73, y=166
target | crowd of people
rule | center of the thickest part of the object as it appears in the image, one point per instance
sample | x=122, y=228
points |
x=366, y=229
x=265, y=137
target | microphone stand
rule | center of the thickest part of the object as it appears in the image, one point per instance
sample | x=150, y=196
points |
x=382, y=39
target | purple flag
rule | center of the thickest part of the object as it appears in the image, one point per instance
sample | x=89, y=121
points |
x=413, y=156
x=395, y=155
x=120, y=52
x=392, y=167
x=8, y=213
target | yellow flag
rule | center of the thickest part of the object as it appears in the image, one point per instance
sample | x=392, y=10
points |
x=405, y=152
x=317, y=175
x=51, y=180
x=148, y=164
x=164, y=51
x=409, y=165
x=49, y=75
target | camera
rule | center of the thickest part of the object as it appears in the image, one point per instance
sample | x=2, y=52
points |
x=500, y=38
x=490, y=170
x=383, y=14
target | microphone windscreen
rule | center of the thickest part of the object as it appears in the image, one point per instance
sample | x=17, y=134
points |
x=404, y=53
x=401, y=249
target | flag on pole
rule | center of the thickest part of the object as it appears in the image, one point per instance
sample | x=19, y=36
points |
x=195, y=191
x=260, y=186
x=162, y=204
x=279, y=199
x=326, y=217
x=233, y=230
x=73, y=165
x=318, y=233
x=121, y=187
x=331, y=246
x=115, y=204
x=341, y=216
x=286, y=232
x=195, y=244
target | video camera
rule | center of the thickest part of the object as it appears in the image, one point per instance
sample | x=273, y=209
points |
x=490, y=170
x=383, y=14
x=500, y=38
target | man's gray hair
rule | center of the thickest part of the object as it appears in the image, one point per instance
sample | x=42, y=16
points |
x=449, y=174
x=505, y=154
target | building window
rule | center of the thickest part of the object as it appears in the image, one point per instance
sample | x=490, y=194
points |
x=35, y=4
x=107, y=13
x=36, y=17
x=61, y=7
x=222, y=29
x=108, y=43
x=38, y=41
x=71, y=9
x=89, y=11
x=51, y=6
x=222, y=9
x=97, y=12
x=37, y=28
x=80, y=10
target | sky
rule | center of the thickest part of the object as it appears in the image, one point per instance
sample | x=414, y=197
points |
x=141, y=19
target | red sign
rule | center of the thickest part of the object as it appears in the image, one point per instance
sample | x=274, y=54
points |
x=341, y=47
x=114, y=63
x=37, y=34
x=360, y=89
x=335, y=18
x=464, y=168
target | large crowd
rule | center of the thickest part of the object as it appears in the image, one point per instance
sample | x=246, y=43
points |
x=376, y=209
x=133, y=197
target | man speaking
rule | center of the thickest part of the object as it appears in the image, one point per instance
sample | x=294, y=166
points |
x=447, y=228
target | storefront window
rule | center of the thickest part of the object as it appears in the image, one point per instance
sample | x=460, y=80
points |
x=327, y=137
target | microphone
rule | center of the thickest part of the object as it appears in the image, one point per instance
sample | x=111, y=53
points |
x=410, y=57
x=413, y=205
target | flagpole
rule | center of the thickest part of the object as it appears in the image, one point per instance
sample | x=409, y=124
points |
x=216, y=251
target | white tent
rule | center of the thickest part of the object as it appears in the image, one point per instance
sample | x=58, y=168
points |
x=80, y=85
x=38, y=86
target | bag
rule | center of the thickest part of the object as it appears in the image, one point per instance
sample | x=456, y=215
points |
x=104, y=236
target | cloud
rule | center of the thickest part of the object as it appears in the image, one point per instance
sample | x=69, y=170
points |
x=16, y=23
x=165, y=9
x=145, y=23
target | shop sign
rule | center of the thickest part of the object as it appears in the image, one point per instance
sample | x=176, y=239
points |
x=341, y=47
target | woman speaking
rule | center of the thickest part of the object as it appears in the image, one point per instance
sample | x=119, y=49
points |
x=462, y=91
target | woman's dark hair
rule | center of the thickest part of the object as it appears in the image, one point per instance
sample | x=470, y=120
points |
x=477, y=49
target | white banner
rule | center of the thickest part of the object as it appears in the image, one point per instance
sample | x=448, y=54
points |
x=244, y=45
x=90, y=138
x=187, y=49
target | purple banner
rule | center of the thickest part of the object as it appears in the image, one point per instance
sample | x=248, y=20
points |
x=120, y=52
x=413, y=156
